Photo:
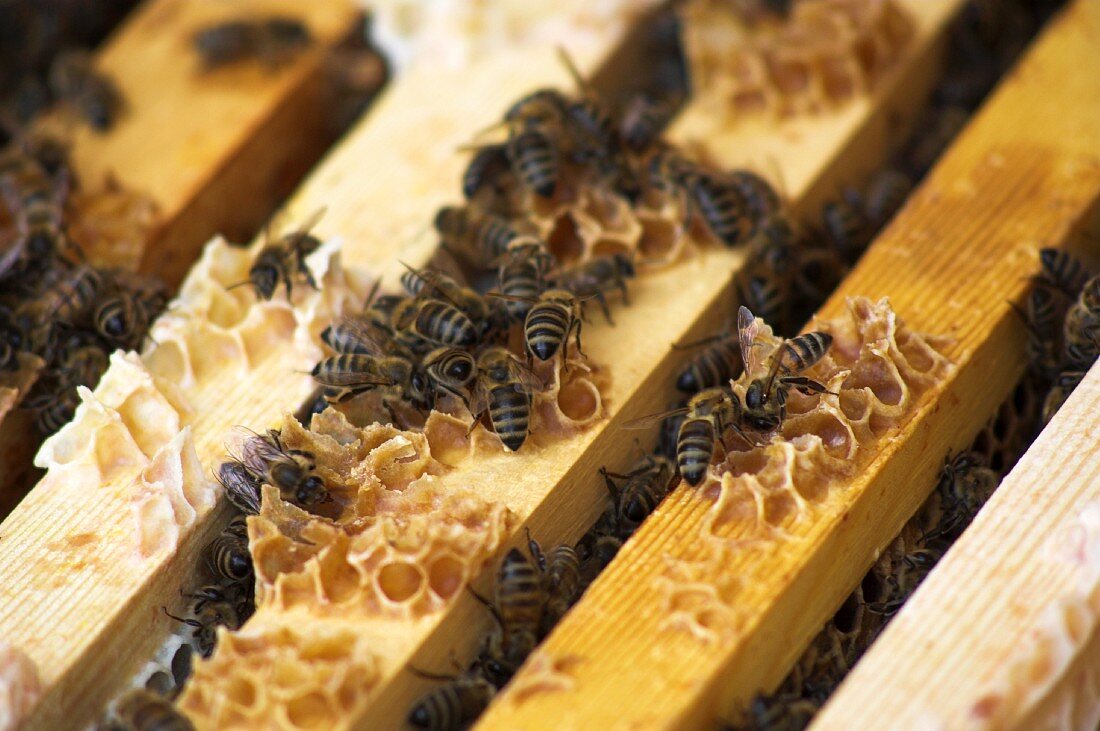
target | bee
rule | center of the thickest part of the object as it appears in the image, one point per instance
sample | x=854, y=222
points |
x=561, y=574
x=74, y=292
x=766, y=293
x=846, y=226
x=121, y=319
x=534, y=160
x=520, y=277
x=488, y=168
x=141, y=710
x=452, y=706
x=885, y=195
x=272, y=40
x=715, y=365
x=599, y=546
x=241, y=488
x=435, y=283
x=227, y=555
x=760, y=197
x=670, y=172
x=1063, y=271
x=365, y=334
x=594, y=278
x=723, y=208
x=518, y=603
x=541, y=108
x=643, y=121
x=550, y=322
x=290, y=470
x=964, y=486
x=75, y=81
x=84, y=365
x=451, y=370
x=504, y=391
x=214, y=606
x=347, y=375
x=641, y=491
x=284, y=260
x=787, y=711
x=1081, y=330
x=452, y=223
x=1040, y=317
x=436, y=321
x=766, y=396
x=1063, y=386
x=55, y=408
x=590, y=127
x=707, y=417
x=37, y=207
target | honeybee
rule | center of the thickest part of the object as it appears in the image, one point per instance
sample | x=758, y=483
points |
x=488, y=169
x=1040, y=317
x=707, y=417
x=534, y=160
x=272, y=40
x=434, y=283
x=241, y=488
x=451, y=370
x=1081, y=331
x=766, y=396
x=37, y=207
x=561, y=573
x=76, y=83
x=766, y=293
x=284, y=260
x=54, y=408
x=121, y=319
x=290, y=470
x=504, y=391
x=452, y=706
x=715, y=365
x=759, y=196
x=74, y=292
x=594, y=278
x=723, y=208
x=214, y=606
x=599, y=546
x=518, y=602
x=227, y=555
x=359, y=334
x=643, y=121
x=521, y=278
x=590, y=128
x=641, y=491
x=540, y=108
x=884, y=196
x=779, y=712
x=550, y=322
x=1063, y=386
x=846, y=226
x=436, y=321
x=1063, y=271
x=141, y=710
x=964, y=486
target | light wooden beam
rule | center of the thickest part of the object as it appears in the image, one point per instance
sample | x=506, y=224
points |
x=1023, y=175
x=986, y=640
x=555, y=490
x=215, y=151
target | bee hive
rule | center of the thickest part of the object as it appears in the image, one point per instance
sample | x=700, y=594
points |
x=356, y=595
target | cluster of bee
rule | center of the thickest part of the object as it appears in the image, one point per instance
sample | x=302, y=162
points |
x=54, y=304
x=271, y=40
x=530, y=596
x=1062, y=315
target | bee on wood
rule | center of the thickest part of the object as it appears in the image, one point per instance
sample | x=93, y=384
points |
x=707, y=417
x=214, y=606
x=37, y=207
x=643, y=121
x=284, y=260
x=227, y=555
x=489, y=168
x=451, y=370
x=885, y=195
x=76, y=83
x=641, y=491
x=452, y=706
x=723, y=208
x=714, y=365
x=141, y=710
x=272, y=40
x=1063, y=271
x=505, y=392
x=1081, y=331
x=766, y=396
x=290, y=470
x=550, y=322
x=518, y=603
x=1040, y=317
x=241, y=488
x=595, y=278
x=1063, y=386
x=534, y=160
x=561, y=573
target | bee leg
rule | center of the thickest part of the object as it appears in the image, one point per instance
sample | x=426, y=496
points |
x=307, y=274
x=612, y=488
x=488, y=605
x=577, y=337
x=601, y=299
x=536, y=550
x=474, y=424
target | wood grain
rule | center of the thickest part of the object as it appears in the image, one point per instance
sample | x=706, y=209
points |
x=1023, y=175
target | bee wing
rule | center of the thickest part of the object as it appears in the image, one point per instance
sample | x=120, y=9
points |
x=526, y=377
x=748, y=327
x=257, y=451
x=510, y=297
x=645, y=422
x=364, y=335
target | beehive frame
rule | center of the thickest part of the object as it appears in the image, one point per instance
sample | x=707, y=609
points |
x=560, y=503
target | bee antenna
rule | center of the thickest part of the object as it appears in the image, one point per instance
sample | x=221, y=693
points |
x=239, y=284
x=571, y=67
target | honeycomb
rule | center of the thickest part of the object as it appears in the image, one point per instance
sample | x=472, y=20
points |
x=211, y=331
x=131, y=433
x=1053, y=679
x=824, y=53
x=879, y=368
x=301, y=672
x=20, y=687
